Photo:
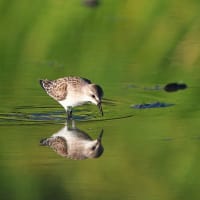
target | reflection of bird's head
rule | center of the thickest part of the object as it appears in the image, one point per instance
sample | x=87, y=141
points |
x=94, y=148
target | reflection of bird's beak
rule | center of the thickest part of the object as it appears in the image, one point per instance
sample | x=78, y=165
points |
x=100, y=108
x=100, y=136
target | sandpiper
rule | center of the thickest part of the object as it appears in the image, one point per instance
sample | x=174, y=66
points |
x=73, y=91
x=74, y=143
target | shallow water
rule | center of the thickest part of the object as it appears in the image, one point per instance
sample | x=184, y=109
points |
x=151, y=137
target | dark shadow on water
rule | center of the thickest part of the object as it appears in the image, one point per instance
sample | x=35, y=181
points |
x=91, y=3
x=173, y=87
x=152, y=105
x=73, y=143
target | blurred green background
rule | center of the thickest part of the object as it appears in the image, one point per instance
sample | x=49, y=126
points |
x=128, y=47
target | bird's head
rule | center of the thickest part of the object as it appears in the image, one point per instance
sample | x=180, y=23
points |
x=94, y=95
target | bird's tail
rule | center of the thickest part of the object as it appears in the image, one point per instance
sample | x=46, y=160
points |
x=45, y=142
x=41, y=83
x=46, y=84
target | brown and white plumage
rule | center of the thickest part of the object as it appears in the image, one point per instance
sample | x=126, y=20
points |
x=73, y=91
x=74, y=143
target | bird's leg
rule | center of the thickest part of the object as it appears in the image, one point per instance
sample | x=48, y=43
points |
x=69, y=113
x=73, y=124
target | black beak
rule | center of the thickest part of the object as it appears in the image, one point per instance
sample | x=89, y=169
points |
x=100, y=108
x=100, y=136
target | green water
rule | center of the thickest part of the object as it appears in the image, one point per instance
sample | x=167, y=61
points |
x=132, y=49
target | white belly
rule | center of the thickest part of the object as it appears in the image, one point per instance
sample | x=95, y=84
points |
x=72, y=101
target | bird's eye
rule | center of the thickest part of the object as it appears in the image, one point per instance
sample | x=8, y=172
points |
x=93, y=148
x=93, y=96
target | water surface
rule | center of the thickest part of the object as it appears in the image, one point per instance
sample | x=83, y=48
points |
x=132, y=49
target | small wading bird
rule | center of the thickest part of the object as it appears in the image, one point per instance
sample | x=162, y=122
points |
x=74, y=143
x=73, y=91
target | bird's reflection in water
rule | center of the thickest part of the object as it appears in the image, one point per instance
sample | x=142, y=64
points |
x=74, y=143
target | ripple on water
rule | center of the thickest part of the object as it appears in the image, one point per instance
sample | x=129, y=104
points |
x=25, y=115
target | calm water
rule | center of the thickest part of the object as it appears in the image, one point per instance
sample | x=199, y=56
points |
x=151, y=137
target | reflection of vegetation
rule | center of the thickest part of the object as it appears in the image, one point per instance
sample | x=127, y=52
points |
x=116, y=44
x=137, y=155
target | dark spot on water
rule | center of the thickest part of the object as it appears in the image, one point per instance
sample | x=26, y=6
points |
x=151, y=105
x=173, y=87
x=91, y=3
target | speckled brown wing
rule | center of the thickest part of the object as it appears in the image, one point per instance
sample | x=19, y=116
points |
x=57, y=89
x=76, y=82
x=59, y=145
